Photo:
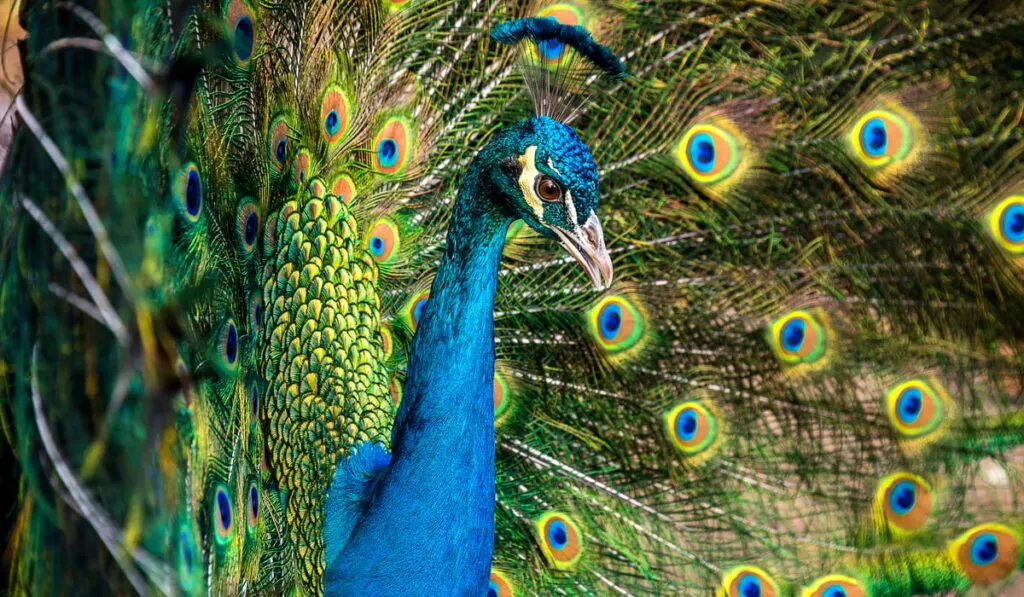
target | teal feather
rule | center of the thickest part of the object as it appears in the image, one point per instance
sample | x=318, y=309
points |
x=181, y=371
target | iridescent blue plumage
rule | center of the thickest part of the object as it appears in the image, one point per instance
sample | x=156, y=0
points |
x=442, y=461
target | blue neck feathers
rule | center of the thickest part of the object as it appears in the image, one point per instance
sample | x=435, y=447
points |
x=427, y=528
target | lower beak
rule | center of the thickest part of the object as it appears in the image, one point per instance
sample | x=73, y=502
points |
x=586, y=244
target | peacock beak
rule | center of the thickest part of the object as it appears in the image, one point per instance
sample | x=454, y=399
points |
x=586, y=244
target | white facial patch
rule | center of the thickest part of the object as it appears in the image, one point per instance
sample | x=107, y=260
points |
x=528, y=163
x=570, y=208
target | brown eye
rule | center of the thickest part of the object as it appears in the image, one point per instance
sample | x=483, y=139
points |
x=548, y=189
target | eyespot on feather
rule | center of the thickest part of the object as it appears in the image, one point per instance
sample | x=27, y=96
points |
x=694, y=429
x=799, y=338
x=619, y=324
x=252, y=508
x=383, y=241
x=1005, y=224
x=881, y=138
x=188, y=193
x=228, y=347
x=835, y=585
x=222, y=515
x=255, y=313
x=242, y=28
x=303, y=164
x=413, y=310
x=499, y=585
x=710, y=154
x=335, y=115
x=904, y=501
x=986, y=553
x=270, y=234
x=279, y=144
x=392, y=145
x=559, y=539
x=918, y=408
x=247, y=226
x=501, y=395
x=748, y=581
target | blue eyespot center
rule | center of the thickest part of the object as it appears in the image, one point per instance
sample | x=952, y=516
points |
x=611, y=321
x=558, y=536
x=702, y=153
x=231, y=344
x=984, y=549
x=909, y=405
x=223, y=509
x=492, y=590
x=258, y=313
x=332, y=122
x=193, y=194
x=377, y=246
x=750, y=586
x=417, y=310
x=254, y=502
x=903, y=497
x=252, y=224
x=281, y=151
x=551, y=49
x=834, y=591
x=243, y=38
x=1012, y=223
x=686, y=424
x=873, y=137
x=387, y=153
x=793, y=335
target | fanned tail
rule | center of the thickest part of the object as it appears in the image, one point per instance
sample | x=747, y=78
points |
x=221, y=221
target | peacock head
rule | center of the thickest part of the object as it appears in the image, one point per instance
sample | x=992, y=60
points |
x=546, y=172
x=549, y=180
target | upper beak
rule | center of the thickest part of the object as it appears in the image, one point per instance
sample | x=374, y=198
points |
x=586, y=244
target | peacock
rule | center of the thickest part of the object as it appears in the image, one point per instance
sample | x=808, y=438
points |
x=515, y=298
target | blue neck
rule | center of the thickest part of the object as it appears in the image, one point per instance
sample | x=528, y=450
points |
x=429, y=527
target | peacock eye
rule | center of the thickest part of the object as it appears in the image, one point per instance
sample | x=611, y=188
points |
x=799, y=337
x=917, y=408
x=987, y=553
x=560, y=540
x=222, y=515
x=748, y=581
x=500, y=586
x=253, y=511
x=905, y=501
x=1006, y=224
x=548, y=189
x=882, y=137
x=836, y=585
